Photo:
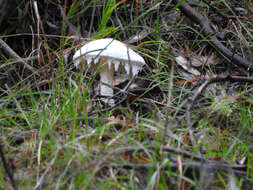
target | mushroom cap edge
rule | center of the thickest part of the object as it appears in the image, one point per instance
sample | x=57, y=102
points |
x=107, y=48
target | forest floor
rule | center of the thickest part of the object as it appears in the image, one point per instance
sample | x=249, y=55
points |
x=184, y=122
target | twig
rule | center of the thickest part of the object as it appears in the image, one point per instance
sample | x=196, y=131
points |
x=36, y=10
x=184, y=153
x=208, y=32
x=7, y=170
x=223, y=78
x=214, y=165
x=7, y=49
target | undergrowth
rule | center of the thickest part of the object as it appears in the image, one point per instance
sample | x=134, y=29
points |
x=58, y=134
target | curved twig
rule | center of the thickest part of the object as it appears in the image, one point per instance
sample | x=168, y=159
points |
x=224, y=78
x=208, y=81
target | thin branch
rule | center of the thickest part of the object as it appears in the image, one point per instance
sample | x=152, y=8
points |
x=223, y=78
x=7, y=49
x=213, y=165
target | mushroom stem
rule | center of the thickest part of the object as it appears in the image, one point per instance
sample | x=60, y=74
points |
x=106, y=82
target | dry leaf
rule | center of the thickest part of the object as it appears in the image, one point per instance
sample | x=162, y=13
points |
x=198, y=61
x=186, y=66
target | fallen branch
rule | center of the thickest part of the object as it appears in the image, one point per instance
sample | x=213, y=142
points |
x=7, y=49
x=7, y=169
x=209, y=33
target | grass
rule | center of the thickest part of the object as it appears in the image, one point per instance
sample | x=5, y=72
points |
x=57, y=135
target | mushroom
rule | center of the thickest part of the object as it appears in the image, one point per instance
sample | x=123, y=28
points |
x=112, y=54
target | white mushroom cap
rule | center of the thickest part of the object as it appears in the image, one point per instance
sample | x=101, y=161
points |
x=115, y=51
x=112, y=54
